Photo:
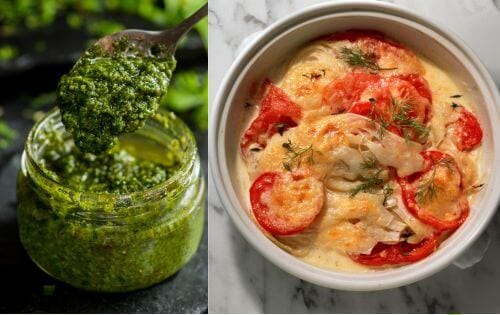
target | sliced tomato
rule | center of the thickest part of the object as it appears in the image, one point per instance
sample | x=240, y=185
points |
x=369, y=109
x=387, y=53
x=419, y=83
x=381, y=98
x=342, y=93
x=400, y=253
x=466, y=131
x=277, y=113
x=447, y=208
x=285, y=205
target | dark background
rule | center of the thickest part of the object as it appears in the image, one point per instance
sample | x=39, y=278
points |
x=24, y=288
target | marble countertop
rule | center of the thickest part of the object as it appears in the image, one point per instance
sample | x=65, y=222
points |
x=243, y=281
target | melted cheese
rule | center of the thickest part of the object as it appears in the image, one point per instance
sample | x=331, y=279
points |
x=342, y=143
x=355, y=225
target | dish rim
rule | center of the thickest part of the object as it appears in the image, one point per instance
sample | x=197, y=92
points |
x=336, y=279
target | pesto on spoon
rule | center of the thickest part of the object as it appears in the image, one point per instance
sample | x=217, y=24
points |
x=117, y=84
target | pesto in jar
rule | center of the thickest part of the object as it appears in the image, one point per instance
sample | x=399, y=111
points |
x=110, y=192
x=117, y=222
x=108, y=94
x=116, y=171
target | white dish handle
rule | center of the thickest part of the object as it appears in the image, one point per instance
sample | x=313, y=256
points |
x=474, y=253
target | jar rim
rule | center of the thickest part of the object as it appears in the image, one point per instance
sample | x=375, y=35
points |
x=154, y=191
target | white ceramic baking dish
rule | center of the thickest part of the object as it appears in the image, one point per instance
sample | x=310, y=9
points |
x=436, y=43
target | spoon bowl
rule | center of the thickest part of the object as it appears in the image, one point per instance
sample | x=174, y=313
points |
x=145, y=40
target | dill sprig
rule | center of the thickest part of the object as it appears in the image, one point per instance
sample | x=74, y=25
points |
x=357, y=58
x=295, y=155
x=400, y=116
x=368, y=184
x=428, y=190
x=402, y=119
x=369, y=163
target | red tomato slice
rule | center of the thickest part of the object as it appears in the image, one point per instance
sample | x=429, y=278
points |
x=389, y=54
x=342, y=93
x=466, y=131
x=419, y=83
x=400, y=253
x=374, y=96
x=448, y=199
x=276, y=114
x=285, y=205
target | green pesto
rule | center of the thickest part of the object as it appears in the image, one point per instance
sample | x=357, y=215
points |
x=105, y=95
x=106, y=257
x=110, y=242
x=115, y=171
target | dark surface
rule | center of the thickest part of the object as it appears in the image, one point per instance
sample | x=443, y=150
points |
x=22, y=283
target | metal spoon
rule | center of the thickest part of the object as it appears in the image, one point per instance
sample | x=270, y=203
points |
x=145, y=40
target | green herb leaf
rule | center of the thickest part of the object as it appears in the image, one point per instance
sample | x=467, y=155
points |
x=368, y=184
x=400, y=116
x=355, y=57
x=369, y=163
x=295, y=155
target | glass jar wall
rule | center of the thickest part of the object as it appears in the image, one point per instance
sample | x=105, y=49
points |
x=113, y=242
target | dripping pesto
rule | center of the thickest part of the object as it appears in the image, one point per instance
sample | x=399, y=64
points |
x=107, y=94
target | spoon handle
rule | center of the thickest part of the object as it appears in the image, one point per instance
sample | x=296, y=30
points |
x=172, y=36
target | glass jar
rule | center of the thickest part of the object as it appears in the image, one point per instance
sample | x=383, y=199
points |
x=113, y=242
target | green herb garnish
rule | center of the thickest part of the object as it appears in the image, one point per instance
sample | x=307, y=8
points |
x=357, y=58
x=368, y=184
x=400, y=116
x=295, y=155
x=456, y=96
x=369, y=163
x=428, y=190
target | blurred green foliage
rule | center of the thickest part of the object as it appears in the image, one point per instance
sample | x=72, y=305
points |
x=19, y=15
x=7, y=135
x=188, y=93
x=7, y=52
